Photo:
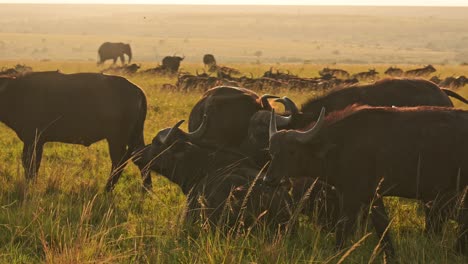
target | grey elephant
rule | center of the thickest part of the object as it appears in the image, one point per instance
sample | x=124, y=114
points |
x=109, y=50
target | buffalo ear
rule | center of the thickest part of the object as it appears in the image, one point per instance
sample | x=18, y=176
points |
x=324, y=150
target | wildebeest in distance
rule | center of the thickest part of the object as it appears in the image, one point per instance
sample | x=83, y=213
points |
x=454, y=82
x=80, y=108
x=124, y=69
x=394, y=71
x=370, y=74
x=426, y=70
x=109, y=50
x=368, y=152
x=334, y=72
x=172, y=63
x=209, y=60
x=230, y=110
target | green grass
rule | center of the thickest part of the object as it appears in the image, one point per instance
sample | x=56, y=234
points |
x=66, y=217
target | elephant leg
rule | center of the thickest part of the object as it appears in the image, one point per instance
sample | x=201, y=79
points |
x=31, y=158
x=115, y=60
x=122, y=59
x=119, y=156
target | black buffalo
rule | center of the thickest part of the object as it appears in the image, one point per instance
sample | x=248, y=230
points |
x=230, y=110
x=366, y=153
x=172, y=63
x=209, y=60
x=80, y=108
x=109, y=50
x=217, y=182
x=387, y=92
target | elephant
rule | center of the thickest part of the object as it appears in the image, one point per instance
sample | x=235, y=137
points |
x=109, y=50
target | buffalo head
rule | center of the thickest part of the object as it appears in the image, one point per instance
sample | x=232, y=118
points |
x=159, y=155
x=289, y=151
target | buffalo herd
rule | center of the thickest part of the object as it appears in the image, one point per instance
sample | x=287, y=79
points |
x=241, y=164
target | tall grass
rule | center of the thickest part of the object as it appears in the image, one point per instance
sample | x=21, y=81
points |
x=66, y=217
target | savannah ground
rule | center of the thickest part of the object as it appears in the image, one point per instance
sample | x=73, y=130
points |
x=66, y=217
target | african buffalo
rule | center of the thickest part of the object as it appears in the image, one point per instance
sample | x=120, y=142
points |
x=421, y=71
x=172, y=63
x=109, y=50
x=209, y=60
x=219, y=182
x=80, y=108
x=386, y=92
x=368, y=152
x=230, y=109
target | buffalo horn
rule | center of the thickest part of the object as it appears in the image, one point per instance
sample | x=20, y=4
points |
x=199, y=131
x=282, y=121
x=273, y=129
x=171, y=131
x=308, y=135
x=264, y=101
x=289, y=105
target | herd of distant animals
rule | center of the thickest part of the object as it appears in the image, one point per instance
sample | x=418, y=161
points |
x=241, y=163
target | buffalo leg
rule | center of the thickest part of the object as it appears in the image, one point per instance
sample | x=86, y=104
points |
x=380, y=221
x=346, y=222
x=436, y=214
x=119, y=156
x=462, y=240
x=32, y=156
x=133, y=149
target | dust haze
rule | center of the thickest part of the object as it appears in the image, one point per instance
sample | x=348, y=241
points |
x=238, y=34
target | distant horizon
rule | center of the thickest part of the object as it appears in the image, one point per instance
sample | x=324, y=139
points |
x=357, y=3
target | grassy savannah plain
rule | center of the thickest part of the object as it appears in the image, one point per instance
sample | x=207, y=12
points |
x=66, y=217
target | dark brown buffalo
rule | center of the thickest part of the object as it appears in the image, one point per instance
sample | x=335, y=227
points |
x=209, y=60
x=219, y=183
x=80, y=108
x=230, y=109
x=426, y=70
x=172, y=63
x=386, y=92
x=420, y=153
x=112, y=51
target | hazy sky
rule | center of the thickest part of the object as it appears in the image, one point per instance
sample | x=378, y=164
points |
x=263, y=2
